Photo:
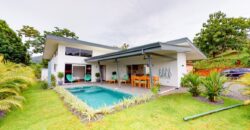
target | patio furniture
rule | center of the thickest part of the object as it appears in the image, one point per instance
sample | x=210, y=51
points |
x=137, y=81
x=144, y=81
x=156, y=80
x=87, y=77
x=125, y=79
x=113, y=79
x=69, y=77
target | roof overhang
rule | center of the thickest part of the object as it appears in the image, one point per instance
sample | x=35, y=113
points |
x=170, y=47
x=51, y=45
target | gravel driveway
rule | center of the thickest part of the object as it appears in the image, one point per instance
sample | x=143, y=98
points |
x=235, y=91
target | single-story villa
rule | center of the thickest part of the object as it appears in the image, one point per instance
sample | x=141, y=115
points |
x=76, y=58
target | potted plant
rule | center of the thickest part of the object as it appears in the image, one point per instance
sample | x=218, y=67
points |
x=60, y=76
x=97, y=75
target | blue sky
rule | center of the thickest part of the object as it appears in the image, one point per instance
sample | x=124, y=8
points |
x=113, y=22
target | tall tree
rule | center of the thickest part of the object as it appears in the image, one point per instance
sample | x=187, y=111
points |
x=11, y=46
x=35, y=40
x=221, y=33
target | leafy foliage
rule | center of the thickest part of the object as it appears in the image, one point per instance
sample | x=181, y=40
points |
x=43, y=84
x=193, y=82
x=155, y=89
x=228, y=59
x=60, y=75
x=214, y=85
x=221, y=33
x=53, y=80
x=14, y=78
x=36, y=40
x=11, y=45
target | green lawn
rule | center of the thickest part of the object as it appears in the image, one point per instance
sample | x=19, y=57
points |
x=44, y=110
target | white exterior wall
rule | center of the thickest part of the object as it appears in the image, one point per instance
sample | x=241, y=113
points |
x=61, y=59
x=44, y=74
x=181, y=67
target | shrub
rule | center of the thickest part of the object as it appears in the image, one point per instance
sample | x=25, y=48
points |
x=193, y=82
x=14, y=78
x=97, y=75
x=43, y=84
x=53, y=80
x=155, y=89
x=214, y=85
x=60, y=75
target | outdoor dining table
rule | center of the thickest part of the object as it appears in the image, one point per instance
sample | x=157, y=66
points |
x=134, y=78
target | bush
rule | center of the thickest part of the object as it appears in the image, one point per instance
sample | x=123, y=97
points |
x=43, y=84
x=53, y=80
x=193, y=82
x=214, y=85
x=155, y=89
x=37, y=70
x=14, y=78
x=60, y=75
x=97, y=75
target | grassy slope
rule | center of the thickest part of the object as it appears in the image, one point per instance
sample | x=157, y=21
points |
x=44, y=110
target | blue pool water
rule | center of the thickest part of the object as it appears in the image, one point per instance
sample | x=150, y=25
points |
x=98, y=97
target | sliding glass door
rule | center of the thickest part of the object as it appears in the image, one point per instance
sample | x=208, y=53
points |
x=76, y=71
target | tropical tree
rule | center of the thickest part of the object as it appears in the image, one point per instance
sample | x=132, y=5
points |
x=35, y=40
x=221, y=33
x=11, y=45
x=193, y=82
x=214, y=85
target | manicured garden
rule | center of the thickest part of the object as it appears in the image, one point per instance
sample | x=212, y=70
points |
x=43, y=109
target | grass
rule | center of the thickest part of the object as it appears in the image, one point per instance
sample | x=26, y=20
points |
x=44, y=110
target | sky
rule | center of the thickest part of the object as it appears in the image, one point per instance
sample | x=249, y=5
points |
x=114, y=22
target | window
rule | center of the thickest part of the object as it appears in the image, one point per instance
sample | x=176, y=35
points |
x=72, y=51
x=78, y=52
x=85, y=53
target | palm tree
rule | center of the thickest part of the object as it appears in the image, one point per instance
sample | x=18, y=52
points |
x=193, y=82
x=214, y=85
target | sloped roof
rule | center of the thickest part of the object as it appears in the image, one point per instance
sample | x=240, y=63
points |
x=178, y=45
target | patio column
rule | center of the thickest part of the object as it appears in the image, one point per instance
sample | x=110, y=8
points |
x=150, y=70
x=49, y=73
x=181, y=67
x=118, y=73
x=100, y=71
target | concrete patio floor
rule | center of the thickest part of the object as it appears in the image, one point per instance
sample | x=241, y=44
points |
x=126, y=88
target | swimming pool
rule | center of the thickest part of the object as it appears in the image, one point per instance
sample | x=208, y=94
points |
x=98, y=97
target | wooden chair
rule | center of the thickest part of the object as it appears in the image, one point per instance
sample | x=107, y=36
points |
x=125, y=79
x=132, y=80
x=156, y=80
x=143, y=81
x=137, y=81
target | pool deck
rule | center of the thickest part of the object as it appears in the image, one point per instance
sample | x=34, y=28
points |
x=126, y=88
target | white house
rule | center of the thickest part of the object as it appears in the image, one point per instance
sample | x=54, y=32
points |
x=167, y=60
